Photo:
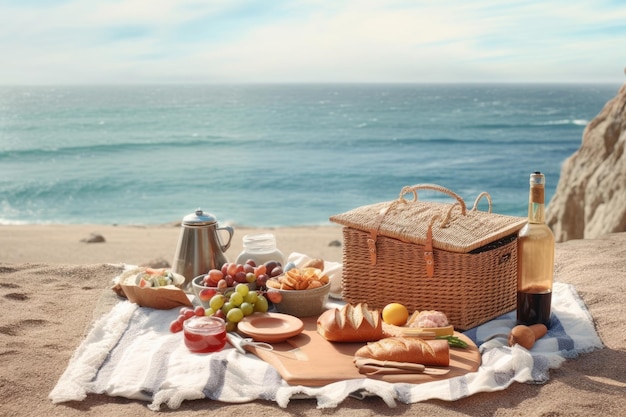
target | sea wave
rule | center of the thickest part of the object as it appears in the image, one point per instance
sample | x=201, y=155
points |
x=116, y=147
x=532, y=125
x=576, y=122
x=7, y=222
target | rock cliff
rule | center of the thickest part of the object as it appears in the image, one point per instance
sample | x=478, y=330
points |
x=590, y=199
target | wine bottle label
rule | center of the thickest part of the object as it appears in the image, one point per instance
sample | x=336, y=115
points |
x=537, y=195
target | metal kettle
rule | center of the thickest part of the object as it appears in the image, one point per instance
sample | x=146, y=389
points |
x=199, y=246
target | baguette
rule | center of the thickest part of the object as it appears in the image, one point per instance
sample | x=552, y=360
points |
x=350, y=324
x=408, y=349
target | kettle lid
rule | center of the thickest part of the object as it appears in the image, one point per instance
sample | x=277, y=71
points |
x=199, y=218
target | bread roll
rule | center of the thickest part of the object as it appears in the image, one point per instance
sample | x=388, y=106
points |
x=314, y=263
x=428, y=319
x=408, y=349
x=350, y=324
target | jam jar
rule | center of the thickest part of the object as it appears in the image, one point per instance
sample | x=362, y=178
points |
x=204, y=334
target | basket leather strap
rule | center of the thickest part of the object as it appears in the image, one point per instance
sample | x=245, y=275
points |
x=429, y=258
x=371, y=242
x=371, y=247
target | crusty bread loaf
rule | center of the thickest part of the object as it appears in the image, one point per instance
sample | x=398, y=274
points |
x=408, y=349
x=350, y=324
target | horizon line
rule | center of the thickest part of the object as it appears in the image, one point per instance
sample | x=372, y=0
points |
x=269, y=83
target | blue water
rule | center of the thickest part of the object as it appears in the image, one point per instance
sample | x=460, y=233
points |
x=276, y=155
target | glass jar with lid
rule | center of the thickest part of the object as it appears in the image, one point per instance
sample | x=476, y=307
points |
x=260, y=247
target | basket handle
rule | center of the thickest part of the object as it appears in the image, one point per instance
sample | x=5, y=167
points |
x=481, y=195
x=413, y=189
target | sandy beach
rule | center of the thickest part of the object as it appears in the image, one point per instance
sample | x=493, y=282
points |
x=51, y=283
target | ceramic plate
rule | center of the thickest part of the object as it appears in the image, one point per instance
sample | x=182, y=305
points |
x=270, y=327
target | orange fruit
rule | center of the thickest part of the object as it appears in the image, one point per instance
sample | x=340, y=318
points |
x=396, y=314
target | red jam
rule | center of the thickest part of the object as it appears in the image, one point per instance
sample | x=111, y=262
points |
x=204, y=334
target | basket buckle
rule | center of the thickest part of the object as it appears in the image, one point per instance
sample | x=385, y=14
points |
x=428, y=250
x=371, y=247
x=430, y=263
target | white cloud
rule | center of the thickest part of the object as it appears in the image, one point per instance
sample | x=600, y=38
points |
x=309, y=41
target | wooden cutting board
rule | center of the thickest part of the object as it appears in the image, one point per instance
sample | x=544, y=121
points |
x=309, y=359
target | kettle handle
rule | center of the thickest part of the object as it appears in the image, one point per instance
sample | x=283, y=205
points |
x=230, y=237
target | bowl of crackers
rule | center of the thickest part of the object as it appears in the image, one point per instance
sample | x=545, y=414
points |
x=300, y=292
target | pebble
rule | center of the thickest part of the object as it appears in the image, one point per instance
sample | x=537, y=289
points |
x=94, y=238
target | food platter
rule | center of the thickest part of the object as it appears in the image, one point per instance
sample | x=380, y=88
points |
x=310, y=360
x=271, y=327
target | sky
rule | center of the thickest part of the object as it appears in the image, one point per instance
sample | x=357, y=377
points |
x=311, y=41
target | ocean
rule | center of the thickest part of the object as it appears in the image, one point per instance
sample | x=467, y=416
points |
x=277, y=155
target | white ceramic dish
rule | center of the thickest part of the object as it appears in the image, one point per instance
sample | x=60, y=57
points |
x=197, y=286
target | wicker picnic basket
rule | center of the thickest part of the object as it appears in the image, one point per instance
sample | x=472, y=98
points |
x=431, y=256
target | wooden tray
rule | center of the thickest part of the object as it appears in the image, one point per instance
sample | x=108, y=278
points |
x=309, y=359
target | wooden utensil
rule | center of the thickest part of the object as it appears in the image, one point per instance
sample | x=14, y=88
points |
x=376, y=367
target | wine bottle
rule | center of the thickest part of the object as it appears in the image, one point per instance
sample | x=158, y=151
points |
x=535, y=257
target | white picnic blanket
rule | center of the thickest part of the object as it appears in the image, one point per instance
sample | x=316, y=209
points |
x=131, y=353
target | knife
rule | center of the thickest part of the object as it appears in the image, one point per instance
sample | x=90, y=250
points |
x=407, y=366
x=235, y=341
x=239, y=342
x=376, y=367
